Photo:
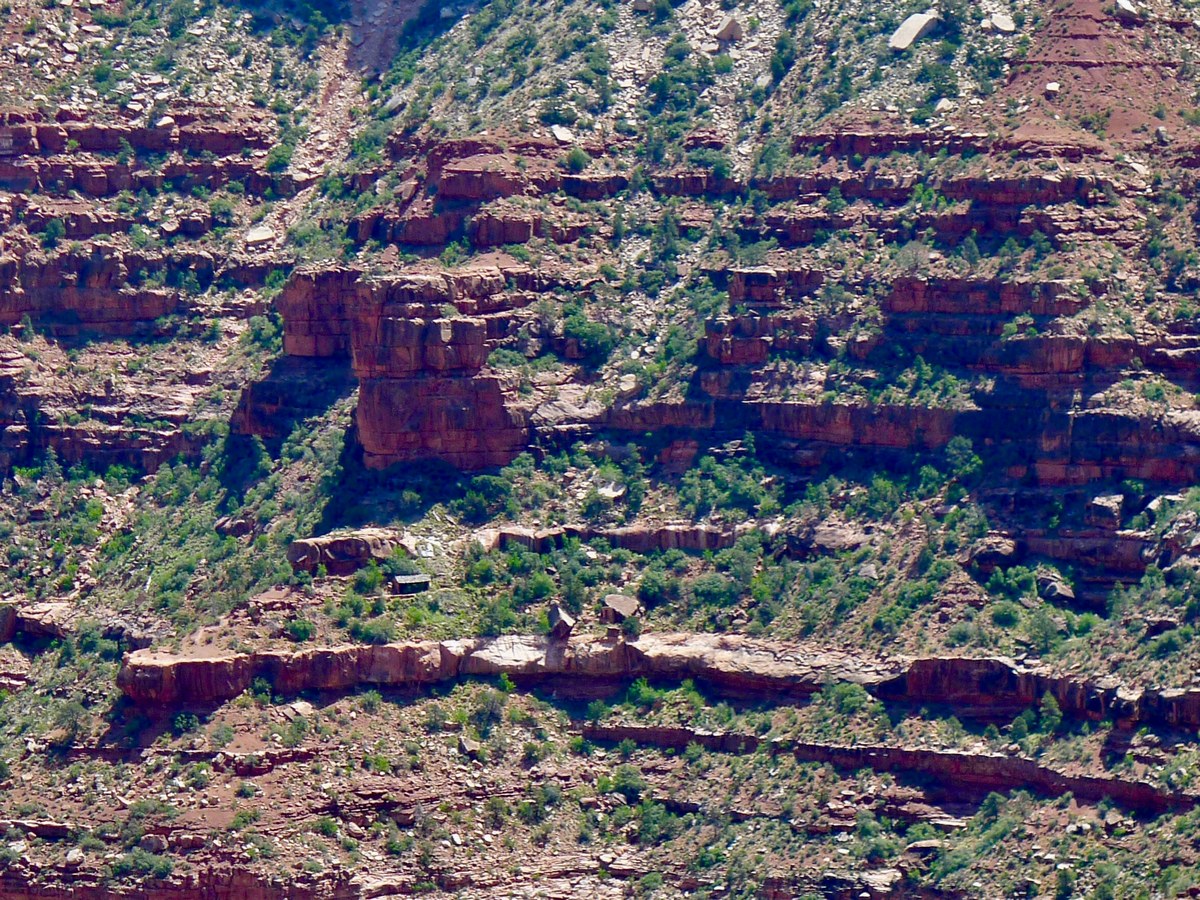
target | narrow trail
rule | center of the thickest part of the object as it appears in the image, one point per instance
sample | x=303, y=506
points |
x=364, y=50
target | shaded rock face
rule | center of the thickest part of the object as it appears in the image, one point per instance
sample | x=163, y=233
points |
x=316, y=312
x=459, y=187
x=1030, y=416
x=749, y=340
x=996, y=686
x=470, y=423
x=72, y=290
x=29, y=424
x=295, y=388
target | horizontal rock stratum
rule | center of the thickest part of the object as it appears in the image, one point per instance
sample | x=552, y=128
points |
x=968, y=772
x=729, y=661
x=988, y=687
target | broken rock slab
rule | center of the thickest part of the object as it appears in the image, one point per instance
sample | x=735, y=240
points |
x=1127, y=10
x=729, y=30
x=1003, y=23
x=259, y=235
x=913, y=29
x=343, y=553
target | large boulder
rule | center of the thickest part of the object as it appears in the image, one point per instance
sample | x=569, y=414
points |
x=913, y=29
x=343, y=552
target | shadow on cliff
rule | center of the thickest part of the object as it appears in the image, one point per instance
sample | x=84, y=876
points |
x=292, y=390
x=360, y=496
x=131, y=729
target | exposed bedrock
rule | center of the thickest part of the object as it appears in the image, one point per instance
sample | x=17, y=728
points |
x=471, y=423
x=970, y=773
x=731, y=662
x=980, y=687
x=222, y=881
x=423, y=392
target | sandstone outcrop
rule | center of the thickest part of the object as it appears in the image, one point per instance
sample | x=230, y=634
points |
x=977, y=687
x=424, y=393
x=342, y=553
x=638, y=538
x=732, y=662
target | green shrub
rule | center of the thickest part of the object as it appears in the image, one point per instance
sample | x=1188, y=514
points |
x=54, y=232
x=368, y=580
x=629, y=783
x=846, y=697
x=713, y=590
x=301, y=630
x=1005, y=614
x=715, y=161
x=488, y=710
x=641, y=695
x=577, y=160
x=326, y=827
x=783, y=57
x=498, y=616
x=140, y=863
x=655, y=824
x=1051, y=714
x=279, y=157
x=374, y=631
x=657, y=588
x=595, y=340
x=486, y=497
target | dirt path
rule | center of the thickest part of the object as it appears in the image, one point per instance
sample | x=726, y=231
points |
x=366, y=48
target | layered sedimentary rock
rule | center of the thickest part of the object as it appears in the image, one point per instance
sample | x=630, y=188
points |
x=469, y=422
x=66, y=169
x=423, y=390
x=970, y=773
x=980, y=687
x=343, y=552
x=93, y=290
x=73, y=152
x=416, y=405
x=225, y=879
x=729, y=661
x=638, y=538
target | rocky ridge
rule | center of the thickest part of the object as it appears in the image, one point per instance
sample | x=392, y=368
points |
x=739, y=312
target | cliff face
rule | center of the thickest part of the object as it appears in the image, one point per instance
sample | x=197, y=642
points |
x=470, y=422
x=79, y=174
x=427, y=394
x=737, y=664
x=47, y=156
x=974, y=687
x=423, y=390
x=790, y=350
x=75, y=291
